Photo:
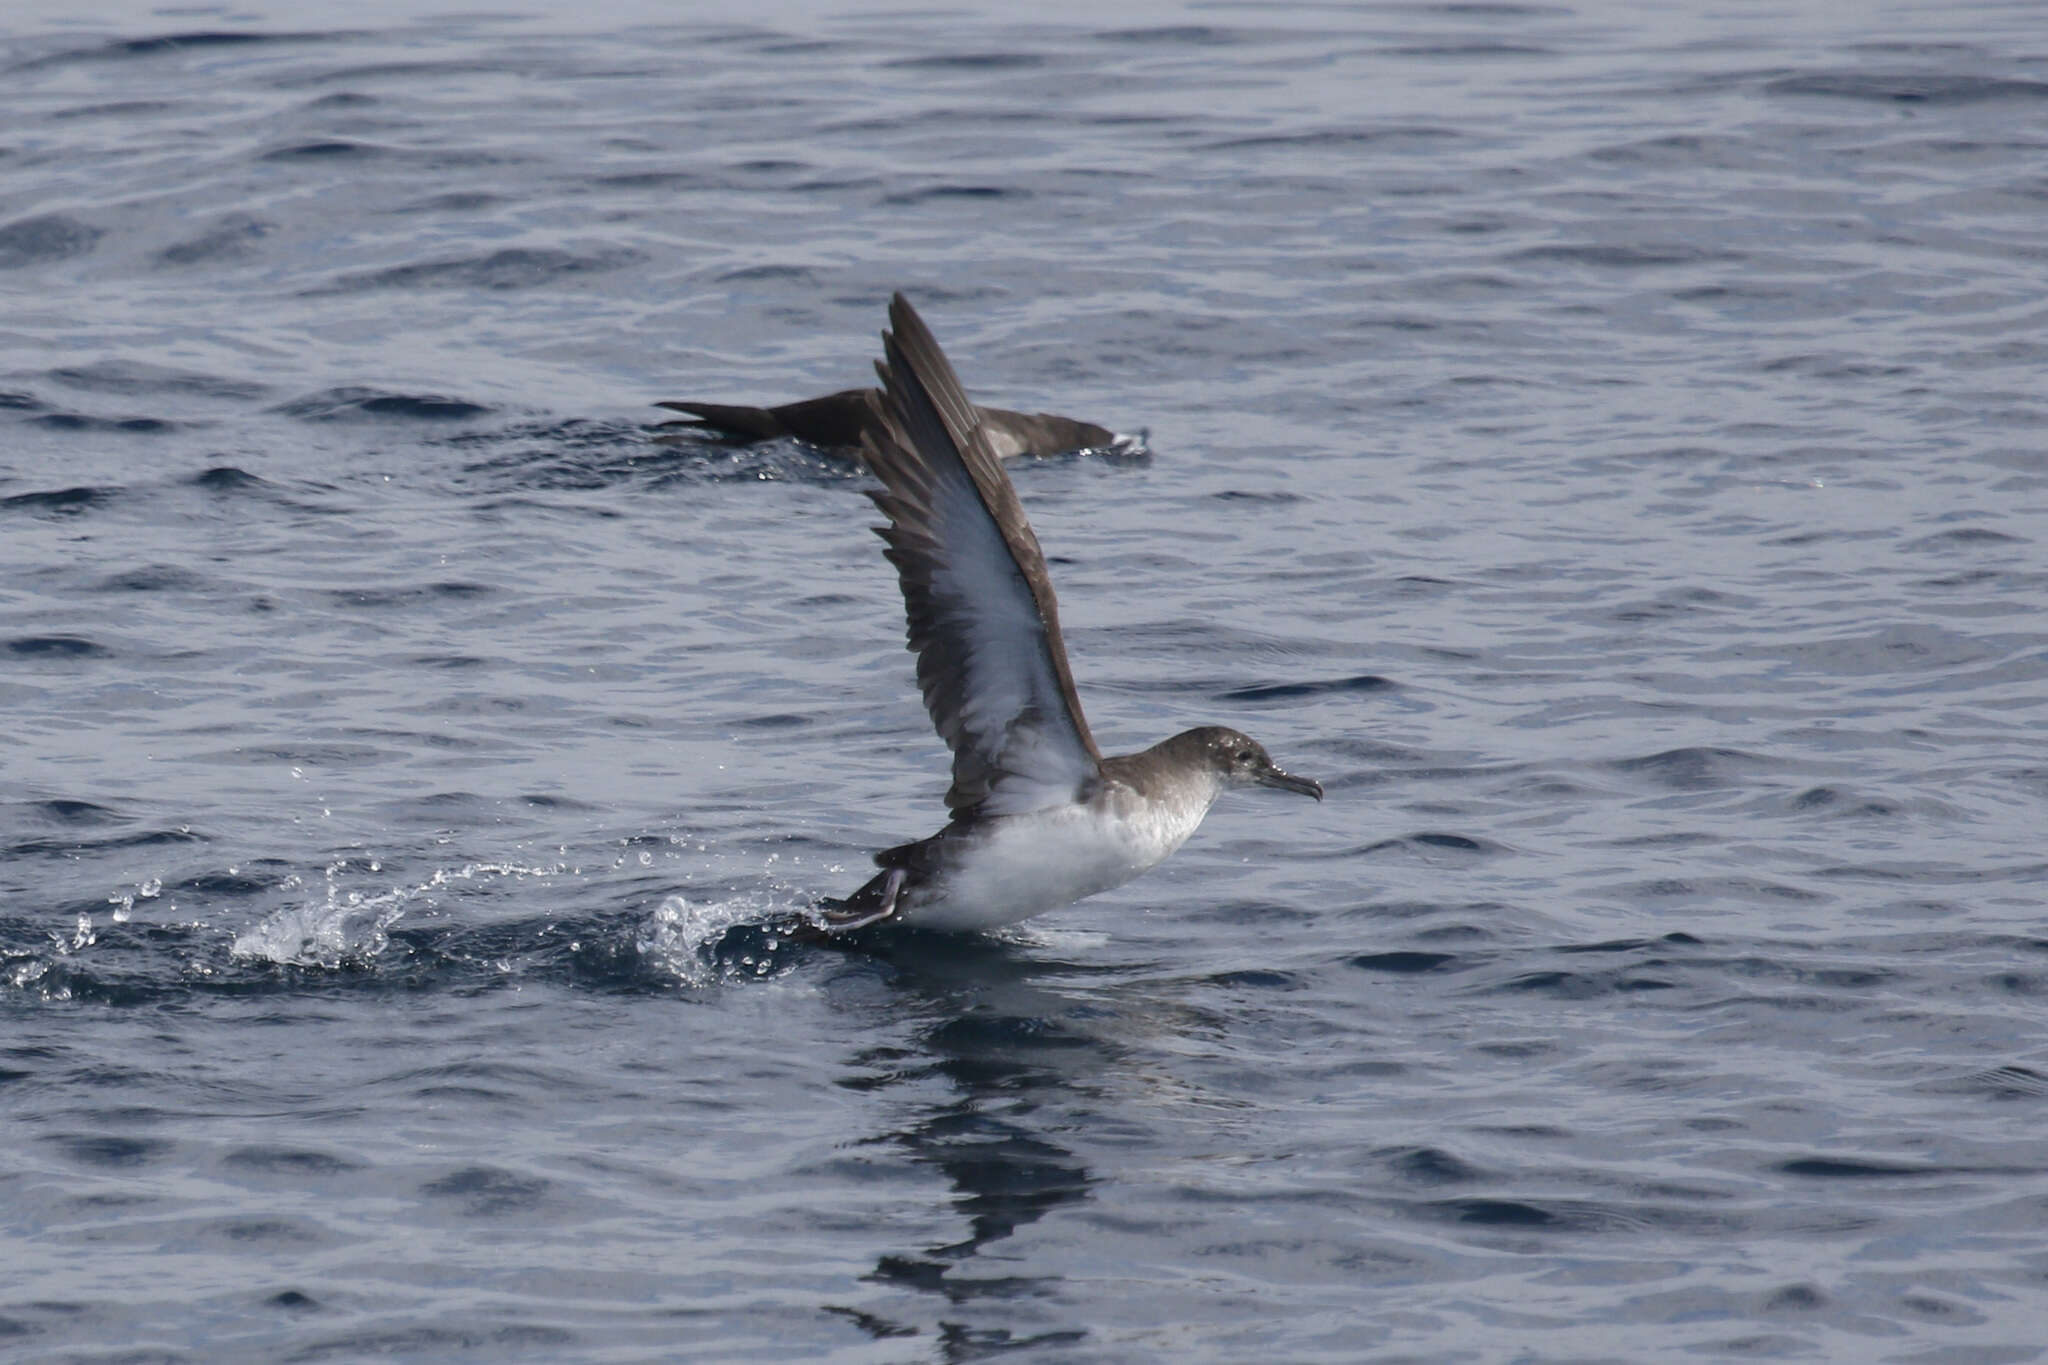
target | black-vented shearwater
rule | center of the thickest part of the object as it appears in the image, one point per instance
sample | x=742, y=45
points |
x=834, y=422
x=1040, y=818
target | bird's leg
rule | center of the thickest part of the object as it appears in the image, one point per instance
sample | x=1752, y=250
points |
x=858, y=911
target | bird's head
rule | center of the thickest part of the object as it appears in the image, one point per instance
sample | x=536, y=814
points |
x=1241, y=761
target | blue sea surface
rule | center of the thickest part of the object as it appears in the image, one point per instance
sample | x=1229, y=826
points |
x=1603, y=443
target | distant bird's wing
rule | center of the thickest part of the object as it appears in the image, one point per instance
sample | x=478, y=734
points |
x=980, y=605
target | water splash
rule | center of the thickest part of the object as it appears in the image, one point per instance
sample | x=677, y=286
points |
x=726, y=940
x=348, y=927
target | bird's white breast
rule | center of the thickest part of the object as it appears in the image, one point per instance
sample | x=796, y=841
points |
x=1017, y=866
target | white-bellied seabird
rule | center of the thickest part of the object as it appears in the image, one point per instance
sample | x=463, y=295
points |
x=833, y=423
x=1040, y=817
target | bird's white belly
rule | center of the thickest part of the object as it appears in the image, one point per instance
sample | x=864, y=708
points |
x=1024, y=865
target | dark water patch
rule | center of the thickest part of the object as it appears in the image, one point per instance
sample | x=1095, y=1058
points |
x=202, y=39
x=779, y=720
x=1964, y=537
x=1693, y=768
x=1737, y=889
x=1834, y=366
x=1571, y=1216
x=1177, y=35
x=45, y=239
x=109, y=1150
x=1274, y=497
x=227, y=479
x=1271, y=692
x=794, y=274
x=1834, y=802
x=1794, y=1298
x=488, y=1191
x=1618, y=257
x=1426, y=845
x=58, y=501
x=455, y=201
x=1909, y=87
x=1334, y=139
x=505, y=269
x=279, y=1233
x=1673, y=603
x=1402, y=963
x=1494, y=1213
x=355, y=403
x=1431, y=1166
x=877, y=1328
x=679, y=182
x=984, y=1035
x=86, y=422
x=970, y=61
x=62, y=811
x=1585, y=985
x=233, y=238
x=232, y=885
x=69, y=848
x=368, y=72
x=1847, y=1168
x=14, y=400
x=934, y=193
x=1255, y=978
x=294, y=1300
x=325, y=149
x=131, y=377
x=55, y=647
x=378, y=599
x=1465, y=51
x=293, y=1162
x=152, y=578
x=2009, y=1082
x=1677, y=938
x=113, y=109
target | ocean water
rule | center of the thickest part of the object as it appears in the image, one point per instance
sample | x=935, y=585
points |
x=1604, y=444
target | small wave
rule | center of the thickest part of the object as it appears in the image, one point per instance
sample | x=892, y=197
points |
x=508, y=268
x=935, y=193
x=233, y=238
x=969, y=61
x=1908, y=87
x=57, y=501
x=354, y=403
x=133, y=377
x=55, y=647
x=87, y=422
x=45, y=238
x=1363, y=682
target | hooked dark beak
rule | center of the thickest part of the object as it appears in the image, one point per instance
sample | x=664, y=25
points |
x=1286, y=781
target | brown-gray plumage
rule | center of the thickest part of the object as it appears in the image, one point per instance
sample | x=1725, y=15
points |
x=1039, y=817
x=834, y=423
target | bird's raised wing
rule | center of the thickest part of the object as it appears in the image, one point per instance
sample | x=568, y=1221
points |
x=983, y=621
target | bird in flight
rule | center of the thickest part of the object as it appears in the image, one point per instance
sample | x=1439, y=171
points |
x=1040, y=818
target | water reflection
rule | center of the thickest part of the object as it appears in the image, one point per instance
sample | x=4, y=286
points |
x=1012, y=1060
